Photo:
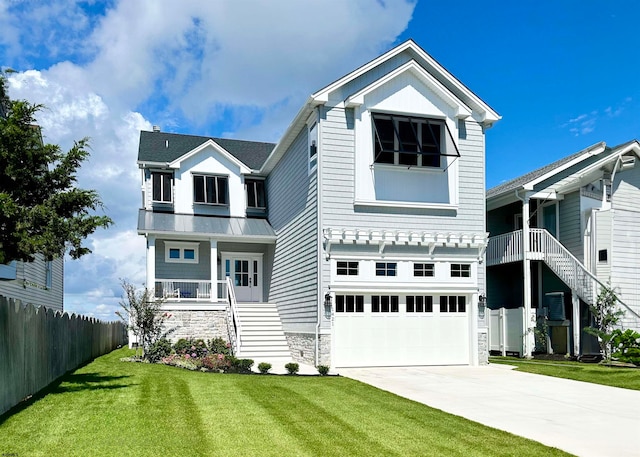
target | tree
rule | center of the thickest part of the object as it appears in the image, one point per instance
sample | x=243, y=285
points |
x=41, y=208
x=606, y=316
x=142, y=314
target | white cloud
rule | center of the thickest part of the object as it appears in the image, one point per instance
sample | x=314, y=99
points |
x=247, y=66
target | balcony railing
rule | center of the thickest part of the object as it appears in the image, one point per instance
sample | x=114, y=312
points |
x=505, y=248
x=191, y=290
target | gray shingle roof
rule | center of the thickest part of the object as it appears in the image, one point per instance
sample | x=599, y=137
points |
x=166, y=147
x=520, y=181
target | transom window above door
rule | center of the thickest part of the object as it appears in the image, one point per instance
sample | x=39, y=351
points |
x=409, y=141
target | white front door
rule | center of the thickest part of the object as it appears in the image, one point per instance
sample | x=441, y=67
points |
x=245, y=271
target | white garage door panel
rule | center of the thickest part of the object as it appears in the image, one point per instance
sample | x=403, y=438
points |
x=396, y=339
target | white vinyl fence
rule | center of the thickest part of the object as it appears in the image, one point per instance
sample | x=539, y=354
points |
x=506, y=330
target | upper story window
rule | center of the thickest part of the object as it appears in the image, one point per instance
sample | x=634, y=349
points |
x=386, y=268
x=423, y=269
x=313, y=146
x=409, y=141
x=161, y=184
x=460, y=270
x=210, y=190
x=255, y=193
x=347, y=268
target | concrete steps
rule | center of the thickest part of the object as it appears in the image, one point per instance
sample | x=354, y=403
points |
x=262, y=338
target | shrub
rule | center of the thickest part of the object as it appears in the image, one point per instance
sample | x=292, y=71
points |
x=323, y=370
x=239, y=365
x=181, y=346
x=625, y=346
x=215, y=362
x=292, y=367
x=158, y=350
x=195, y=348
x=219, y=346
x=264, y=367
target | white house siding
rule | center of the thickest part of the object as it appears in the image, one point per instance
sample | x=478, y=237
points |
x=291, y=197
x=30, y=283
x=570, y=231
x=625, y=272
x=174, y=270
x=603, y=242
x=338, y=149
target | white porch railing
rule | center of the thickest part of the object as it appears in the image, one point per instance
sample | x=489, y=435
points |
x=233, y=323
x=190, y=290
x=507, y=248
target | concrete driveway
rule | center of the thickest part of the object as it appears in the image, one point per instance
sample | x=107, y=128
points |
x=577, y=417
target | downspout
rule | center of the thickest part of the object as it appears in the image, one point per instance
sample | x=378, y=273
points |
x=320, y=298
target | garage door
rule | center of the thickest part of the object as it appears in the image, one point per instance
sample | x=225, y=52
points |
x=400, y=330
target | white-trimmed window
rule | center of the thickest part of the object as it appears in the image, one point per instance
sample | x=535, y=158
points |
x=255, y=193
x=313, y=146
x=48, y=277
x=210, y=189
x=386, y=269
x=423, y=269
x=347, y=268
x=180, y=252
x=161, y=187
x=409, y=141
x=349, y=303
x=419, y=303
x=385, y=304
x=453, y=304
x=460, y=270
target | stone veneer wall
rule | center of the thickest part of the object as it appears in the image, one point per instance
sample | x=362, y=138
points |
x=302, y=347
x=197, y=324
x=483, y=348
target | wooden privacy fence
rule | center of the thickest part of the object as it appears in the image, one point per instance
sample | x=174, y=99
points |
x=38, y=345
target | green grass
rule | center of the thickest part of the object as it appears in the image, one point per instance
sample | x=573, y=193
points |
x=627, y=378
x=117, y=408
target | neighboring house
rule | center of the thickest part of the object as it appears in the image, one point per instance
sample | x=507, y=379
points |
x=39, y=282
x=357, y=240
x=582, y=233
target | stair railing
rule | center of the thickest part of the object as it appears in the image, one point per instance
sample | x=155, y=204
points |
x=233, y=322
x=575, y=274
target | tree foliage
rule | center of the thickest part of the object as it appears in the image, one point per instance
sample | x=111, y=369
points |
x=142, y=313
x=606, y=316
x=41, y=208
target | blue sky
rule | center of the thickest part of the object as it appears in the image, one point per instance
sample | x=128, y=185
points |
x=563, y=75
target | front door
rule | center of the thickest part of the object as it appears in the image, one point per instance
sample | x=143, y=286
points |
x=245, y=271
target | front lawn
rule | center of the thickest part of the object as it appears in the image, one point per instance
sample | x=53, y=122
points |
x=117, y=408
x=627, y=378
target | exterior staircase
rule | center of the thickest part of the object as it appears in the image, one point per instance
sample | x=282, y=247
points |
x=261, y=337
x=543, y=246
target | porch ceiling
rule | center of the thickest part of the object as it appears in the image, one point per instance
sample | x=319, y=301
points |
x=222, y=228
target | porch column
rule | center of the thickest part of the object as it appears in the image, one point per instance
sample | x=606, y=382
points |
x=575, y=301
x=214, y=270
x=151, y=264
x=526, y=248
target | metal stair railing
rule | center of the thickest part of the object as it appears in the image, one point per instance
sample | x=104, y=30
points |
x=233, y=322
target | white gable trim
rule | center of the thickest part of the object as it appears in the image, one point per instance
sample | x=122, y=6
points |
x=217, y=148
x=590, y=151
x=487, y=113
x=462, y=110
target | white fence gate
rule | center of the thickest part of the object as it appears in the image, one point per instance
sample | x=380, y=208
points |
x=507, y=331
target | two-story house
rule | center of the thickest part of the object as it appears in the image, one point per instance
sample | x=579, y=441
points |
x=558, y=235
x=39, y=282
x=356, y=240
